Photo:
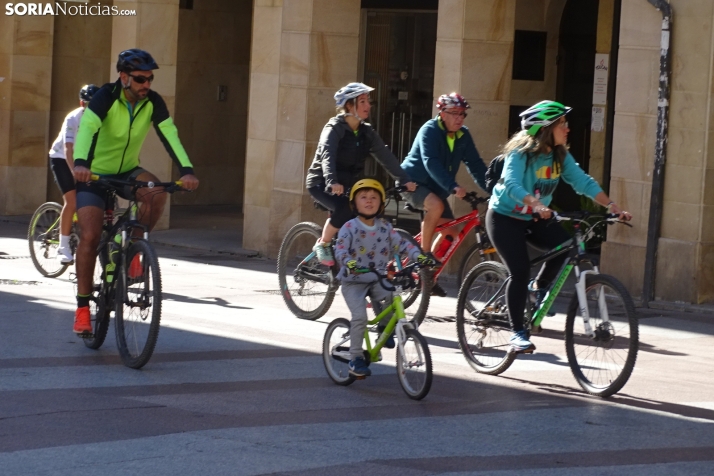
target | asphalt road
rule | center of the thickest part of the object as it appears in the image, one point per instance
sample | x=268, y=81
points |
x=237, y=386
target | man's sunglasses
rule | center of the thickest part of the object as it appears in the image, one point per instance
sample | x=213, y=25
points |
x=142, y=79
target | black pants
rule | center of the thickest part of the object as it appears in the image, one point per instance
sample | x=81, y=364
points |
x=508, y=235
x=339, y=205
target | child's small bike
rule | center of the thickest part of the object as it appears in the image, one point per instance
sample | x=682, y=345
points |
x=414, y=368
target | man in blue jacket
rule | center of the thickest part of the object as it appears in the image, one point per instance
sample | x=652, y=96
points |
x=439, y=148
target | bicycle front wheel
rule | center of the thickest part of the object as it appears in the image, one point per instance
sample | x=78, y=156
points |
x=99, y=307
x=137, y=311
x=336, y=351
x=602, y=357
x=416, y=300
x=414, y=367
x=43, y=237
x=483, y=332
x=305, y=284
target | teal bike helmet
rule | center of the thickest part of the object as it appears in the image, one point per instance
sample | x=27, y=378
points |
x=542, y=114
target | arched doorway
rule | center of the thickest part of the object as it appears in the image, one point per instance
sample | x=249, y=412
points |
x=574, y=88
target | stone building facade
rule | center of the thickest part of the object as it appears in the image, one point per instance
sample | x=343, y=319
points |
x=250, y=84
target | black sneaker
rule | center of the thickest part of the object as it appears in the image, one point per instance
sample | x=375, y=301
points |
x=438, y=291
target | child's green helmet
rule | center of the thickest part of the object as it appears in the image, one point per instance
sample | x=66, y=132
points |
x=542, y=114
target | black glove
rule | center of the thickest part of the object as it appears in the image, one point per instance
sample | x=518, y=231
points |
x=425, y=260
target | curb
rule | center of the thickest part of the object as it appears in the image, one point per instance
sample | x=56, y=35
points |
x=682, y=307
x=240, y=252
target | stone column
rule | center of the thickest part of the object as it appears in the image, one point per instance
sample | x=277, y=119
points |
x=25, y=84
x=154, y=29
x=302, y=52
x=605, y=19
x=685, y=259
x=474, y=56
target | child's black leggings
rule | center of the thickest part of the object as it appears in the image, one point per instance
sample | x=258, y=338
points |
x=509, y=236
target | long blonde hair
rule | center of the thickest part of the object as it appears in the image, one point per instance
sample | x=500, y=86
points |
x=541, y=143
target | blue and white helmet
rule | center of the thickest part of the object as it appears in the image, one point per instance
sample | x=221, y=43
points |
x=350, y=91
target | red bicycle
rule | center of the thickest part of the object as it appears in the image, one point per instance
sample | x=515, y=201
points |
x=481, y=250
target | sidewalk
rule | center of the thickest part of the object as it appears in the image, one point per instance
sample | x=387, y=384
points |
x=216, y=228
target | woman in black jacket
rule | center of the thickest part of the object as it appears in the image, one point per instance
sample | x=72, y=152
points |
x=345, y=143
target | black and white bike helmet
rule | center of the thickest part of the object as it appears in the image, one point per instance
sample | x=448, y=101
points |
x=351, y=91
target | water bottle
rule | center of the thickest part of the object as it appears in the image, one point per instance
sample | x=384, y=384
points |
x=444, y=246
x=114, y=247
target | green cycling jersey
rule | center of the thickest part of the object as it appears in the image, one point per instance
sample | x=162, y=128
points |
x=112, y=132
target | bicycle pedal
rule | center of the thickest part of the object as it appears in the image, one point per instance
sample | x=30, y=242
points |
x=361, y=377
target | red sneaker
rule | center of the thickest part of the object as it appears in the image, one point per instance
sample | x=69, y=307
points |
x=136, y=270
x=82, y=321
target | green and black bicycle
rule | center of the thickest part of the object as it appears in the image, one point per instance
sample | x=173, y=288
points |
x=601, y=327
x=414, y=368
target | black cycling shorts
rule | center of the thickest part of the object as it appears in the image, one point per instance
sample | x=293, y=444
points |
x=93, y=194
x=63, y=176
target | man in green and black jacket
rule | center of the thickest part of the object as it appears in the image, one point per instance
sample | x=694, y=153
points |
x=111, y=133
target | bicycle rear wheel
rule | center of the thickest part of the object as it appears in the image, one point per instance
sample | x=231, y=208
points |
x=306, y=284
x=43, y=238
x=98, y=306
x=416, y=300
x=137, y=311
x=414, y=368
x=483, y=334
x=336, y=351
x=602, y=361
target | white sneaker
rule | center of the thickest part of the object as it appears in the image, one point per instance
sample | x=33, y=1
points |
x=64, y=255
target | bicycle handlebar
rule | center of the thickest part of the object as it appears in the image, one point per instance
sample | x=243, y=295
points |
x=384, y=280
x=474, y=200
x=610, y=218
x=169, y=187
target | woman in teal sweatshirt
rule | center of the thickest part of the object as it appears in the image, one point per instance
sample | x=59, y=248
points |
x=536, y=158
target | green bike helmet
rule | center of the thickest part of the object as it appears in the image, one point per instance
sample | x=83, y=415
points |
x=542, y=114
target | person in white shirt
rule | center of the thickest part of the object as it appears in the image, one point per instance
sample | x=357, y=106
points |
x=62, y=164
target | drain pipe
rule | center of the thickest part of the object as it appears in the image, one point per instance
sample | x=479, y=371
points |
x=655, y=219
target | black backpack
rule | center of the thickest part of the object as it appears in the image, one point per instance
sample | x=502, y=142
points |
x=493, y=173
x=495, y=170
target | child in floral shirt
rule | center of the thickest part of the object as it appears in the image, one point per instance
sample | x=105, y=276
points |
x=363, y=242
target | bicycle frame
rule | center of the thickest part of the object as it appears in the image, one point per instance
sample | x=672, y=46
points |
x=398, y=323
x=471, y=221
x=576, y=246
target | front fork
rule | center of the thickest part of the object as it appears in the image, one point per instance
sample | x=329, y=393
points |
x=583, y=302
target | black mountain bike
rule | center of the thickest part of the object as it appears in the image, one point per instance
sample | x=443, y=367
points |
x=127, y=278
